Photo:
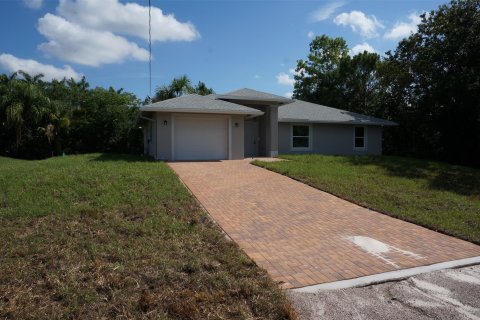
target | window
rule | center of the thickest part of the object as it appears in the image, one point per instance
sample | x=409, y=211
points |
x=360, y=137
x=300, y=137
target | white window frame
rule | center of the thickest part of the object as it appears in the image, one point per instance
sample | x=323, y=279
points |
x=365, y=138
x=310, y=137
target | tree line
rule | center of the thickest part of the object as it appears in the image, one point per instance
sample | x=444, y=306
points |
x=39, y=119
x=429, y=85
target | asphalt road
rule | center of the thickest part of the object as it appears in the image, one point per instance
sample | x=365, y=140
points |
x=445, y=294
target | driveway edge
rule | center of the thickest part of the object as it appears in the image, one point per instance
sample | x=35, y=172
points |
x=202, y=206
x=388, y=276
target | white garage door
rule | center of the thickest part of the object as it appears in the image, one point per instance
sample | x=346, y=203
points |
x=201, y=138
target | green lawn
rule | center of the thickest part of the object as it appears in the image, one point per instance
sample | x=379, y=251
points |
x=439, y=196
x=114, y=236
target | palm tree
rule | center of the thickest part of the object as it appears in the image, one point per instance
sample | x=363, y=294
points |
x=58, y=122
x=163, y=93
x=36, y=79
x=181, y=86
x=22, y=101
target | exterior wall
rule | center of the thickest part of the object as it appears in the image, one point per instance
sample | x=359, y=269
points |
x=164, y=135
x=149, y=138
x=251, y=137
x=335, y=139
x=326, y=138
x=237, y=137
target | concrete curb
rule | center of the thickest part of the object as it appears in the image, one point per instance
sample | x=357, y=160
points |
x=388, y=276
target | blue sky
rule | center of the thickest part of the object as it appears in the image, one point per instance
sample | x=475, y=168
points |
x=227, y=44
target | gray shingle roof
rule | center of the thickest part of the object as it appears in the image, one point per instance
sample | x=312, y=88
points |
x=249, y=94
x=199, y=104
x=302, y=111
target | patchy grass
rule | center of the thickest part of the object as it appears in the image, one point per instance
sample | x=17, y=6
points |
x=113, y=236
x=436, y=195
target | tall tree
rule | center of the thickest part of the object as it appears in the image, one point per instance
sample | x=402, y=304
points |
x=360, y=83
x=317, y=78
x=330, y=76
x=202, y=89
x=181, y=85
x=23, y=103
x=444, y=88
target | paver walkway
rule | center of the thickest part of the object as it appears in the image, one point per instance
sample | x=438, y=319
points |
x=303, y=236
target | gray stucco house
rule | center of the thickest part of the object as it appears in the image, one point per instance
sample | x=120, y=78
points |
x=249, y=123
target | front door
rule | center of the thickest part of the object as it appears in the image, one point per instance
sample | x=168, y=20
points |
x=251, y=138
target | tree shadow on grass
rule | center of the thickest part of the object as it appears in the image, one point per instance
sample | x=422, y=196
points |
x=440, y=176
x=110, y=157
x=458, y=181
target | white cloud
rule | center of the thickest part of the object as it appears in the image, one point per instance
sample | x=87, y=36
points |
x=288, y=95
x=128, y=19
x=404, y=29
x=285, y=79
x=359, y=22
x=11, y=63
x=256, y=76
x=325, y=11
x=33, y=4
x=360, y=48
x=74, y=43
x=310, y=34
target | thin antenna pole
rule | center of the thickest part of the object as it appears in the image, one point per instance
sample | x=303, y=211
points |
x=150, y=45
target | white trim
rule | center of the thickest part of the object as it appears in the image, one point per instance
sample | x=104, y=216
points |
x=388, y=276
x=310, y=137
x=365, y=138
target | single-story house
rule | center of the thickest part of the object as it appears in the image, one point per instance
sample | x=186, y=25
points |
x=249, y=123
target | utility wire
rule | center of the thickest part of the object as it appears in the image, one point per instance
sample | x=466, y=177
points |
x=150, y=45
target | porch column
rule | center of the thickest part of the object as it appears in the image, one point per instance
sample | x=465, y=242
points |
x=272, y=131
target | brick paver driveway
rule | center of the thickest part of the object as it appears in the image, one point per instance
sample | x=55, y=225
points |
x=303, y=236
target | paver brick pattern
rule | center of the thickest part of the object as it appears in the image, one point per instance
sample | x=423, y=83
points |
x=301, y=235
